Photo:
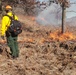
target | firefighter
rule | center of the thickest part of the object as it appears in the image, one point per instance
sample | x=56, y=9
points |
x=11, y=39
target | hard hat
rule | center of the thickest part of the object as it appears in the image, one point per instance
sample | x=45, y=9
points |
x=8, y=7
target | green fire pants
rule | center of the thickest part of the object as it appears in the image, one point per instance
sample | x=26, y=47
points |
x=13, y=44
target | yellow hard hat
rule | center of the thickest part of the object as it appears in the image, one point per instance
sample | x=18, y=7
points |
x=8, y=7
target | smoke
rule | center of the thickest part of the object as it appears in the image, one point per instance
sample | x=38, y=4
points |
x=50, y=16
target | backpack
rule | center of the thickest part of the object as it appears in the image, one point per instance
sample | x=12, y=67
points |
x=15, y=26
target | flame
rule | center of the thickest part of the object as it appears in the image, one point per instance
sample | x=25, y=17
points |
x=3, y=41
x=62, y=37
x=53, y=36
x=43, y=19
x=42, y=40
x=28, y=40
x=33, y=18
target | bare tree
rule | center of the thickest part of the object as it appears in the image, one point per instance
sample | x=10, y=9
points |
x=64, y=4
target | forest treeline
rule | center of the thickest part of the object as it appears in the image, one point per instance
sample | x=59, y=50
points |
x=29, y=6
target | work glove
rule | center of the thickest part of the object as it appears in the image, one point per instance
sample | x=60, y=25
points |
x=2, y=37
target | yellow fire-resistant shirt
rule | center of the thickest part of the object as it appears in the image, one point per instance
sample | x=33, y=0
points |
x=6, y=23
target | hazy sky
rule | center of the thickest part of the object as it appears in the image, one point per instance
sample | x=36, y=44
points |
x=47, y=0
x=72, y=8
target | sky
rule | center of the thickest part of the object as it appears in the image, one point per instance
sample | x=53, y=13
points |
x=42, y=0
x=71, y=8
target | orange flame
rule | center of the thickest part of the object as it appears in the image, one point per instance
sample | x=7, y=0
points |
x=30, y=40
x=33, y=18
x=42, y=40
x=43, y=19
x=62, y=37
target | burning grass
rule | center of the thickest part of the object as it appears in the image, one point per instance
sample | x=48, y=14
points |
x=62, y=37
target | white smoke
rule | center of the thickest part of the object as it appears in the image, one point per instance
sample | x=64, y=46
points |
x=50, y=16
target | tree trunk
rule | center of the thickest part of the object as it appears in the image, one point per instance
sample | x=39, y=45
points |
x=63, y=18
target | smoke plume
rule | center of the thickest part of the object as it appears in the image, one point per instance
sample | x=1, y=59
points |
x=50, y=16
